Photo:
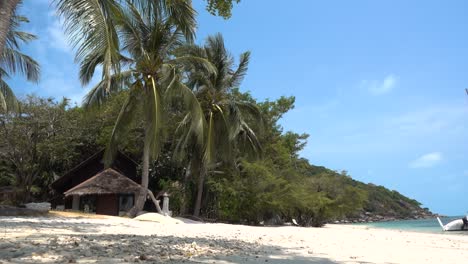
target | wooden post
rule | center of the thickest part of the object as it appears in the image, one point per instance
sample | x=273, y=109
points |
x=165, y=208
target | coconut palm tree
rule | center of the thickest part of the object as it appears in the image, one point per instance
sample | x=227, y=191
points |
x=12, y=61
x=7, y=10
x=133, y=42
x=227, y=128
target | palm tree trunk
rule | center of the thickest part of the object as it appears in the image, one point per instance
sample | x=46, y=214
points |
x=7, y=8
x=185, y=195
x=201, y=182
x=141, y=196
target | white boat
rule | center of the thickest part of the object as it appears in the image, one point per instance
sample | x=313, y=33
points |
x=455, y=225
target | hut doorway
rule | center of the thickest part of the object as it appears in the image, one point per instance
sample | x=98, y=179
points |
x=107, y=204
x=125, y=202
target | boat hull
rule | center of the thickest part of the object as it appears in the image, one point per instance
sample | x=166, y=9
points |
x=455, y=225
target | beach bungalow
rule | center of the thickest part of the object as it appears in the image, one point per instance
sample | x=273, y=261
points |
x=93, y=188
x=7, y=194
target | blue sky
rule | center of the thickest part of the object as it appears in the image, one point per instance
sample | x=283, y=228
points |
x=379, y=85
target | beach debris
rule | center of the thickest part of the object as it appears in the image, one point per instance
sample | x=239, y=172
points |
x=38, y=206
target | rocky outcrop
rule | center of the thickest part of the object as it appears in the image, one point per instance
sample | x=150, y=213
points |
x=369, y=217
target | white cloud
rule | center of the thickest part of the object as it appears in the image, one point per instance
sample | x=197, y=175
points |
x=433, y=120
x=57, y=38
x=59, y=86
x=378, y=87
x=427, y=160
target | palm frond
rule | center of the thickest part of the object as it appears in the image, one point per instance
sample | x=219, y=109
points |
x=13, y=62
x=190, y=50
x=15, y=37
x=91, y=27
x=123, y=123
x=99, y=94
x=183, y=16
x=176, y=89
x=193, y=62
x=236, y=78
x=182, y=136
x=155, y=119
x=7, y=97
x=133, y=30
x=220, y=58
x=209, y=152
x=178, y=12
x=224, y=145
x=251, y=112
x=249, y=140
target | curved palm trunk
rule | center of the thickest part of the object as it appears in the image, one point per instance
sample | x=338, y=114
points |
x=201, y=182
x=141, y=197
x=7, y=7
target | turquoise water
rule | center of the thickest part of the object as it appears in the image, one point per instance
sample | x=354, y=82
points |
x=422, y=225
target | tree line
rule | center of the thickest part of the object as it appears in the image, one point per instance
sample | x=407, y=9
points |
x=46, y=138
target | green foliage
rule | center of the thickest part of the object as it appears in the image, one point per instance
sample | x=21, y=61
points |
x=228, y=134
x=279, y=185
x=38, y=142
x=220, y=7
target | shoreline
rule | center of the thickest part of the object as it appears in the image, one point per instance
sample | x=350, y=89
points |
x=118, y=240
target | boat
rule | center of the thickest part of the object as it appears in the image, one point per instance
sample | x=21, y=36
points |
x=455, y=225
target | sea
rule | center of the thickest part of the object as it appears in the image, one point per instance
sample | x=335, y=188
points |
x=420, y=225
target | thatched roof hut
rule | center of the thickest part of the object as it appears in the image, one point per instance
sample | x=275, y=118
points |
x=107, y=181
x=7, y=194
x=92, y=166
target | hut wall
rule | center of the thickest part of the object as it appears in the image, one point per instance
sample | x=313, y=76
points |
x=107, y=204
x=68, y=203
x=75, y=202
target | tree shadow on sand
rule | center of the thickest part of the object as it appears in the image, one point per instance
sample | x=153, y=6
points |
x=12, y=224
x=104, y=248
x=72, y=240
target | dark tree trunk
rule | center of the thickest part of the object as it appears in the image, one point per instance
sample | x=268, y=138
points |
x=201, y=183
x=141, y=197
x=7, y=8
x=185, y=190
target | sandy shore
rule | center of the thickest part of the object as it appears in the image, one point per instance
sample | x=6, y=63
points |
x=61, y=239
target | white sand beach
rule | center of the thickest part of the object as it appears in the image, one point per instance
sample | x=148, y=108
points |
x=61, y=239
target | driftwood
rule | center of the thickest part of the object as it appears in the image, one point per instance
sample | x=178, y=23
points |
x=150, y=195
x=156, y=202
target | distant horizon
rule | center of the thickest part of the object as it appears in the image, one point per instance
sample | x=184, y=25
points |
x=379, y=87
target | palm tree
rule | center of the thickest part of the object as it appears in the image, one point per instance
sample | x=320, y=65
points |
x=225, y=115
x=133, y=42
x=12, y=61
x=7, y=9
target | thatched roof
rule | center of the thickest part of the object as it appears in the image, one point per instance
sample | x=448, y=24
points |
x=107, y=181
x=93, y=165
x=7, y=189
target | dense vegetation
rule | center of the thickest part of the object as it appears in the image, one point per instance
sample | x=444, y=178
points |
x=46, y=138
x=176, y=108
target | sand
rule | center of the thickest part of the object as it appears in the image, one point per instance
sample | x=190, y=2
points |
x=71, y=238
